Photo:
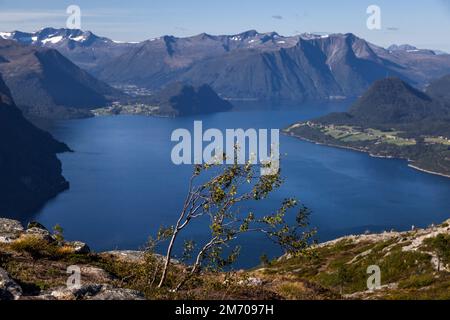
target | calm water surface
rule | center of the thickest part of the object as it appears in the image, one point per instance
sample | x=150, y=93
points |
x=124, y=185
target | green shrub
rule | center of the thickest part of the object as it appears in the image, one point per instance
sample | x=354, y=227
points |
x=440, y=245
x=36, y=247
x=417, y=281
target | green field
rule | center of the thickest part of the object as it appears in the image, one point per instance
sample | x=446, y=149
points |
x=438, y=140
x=355, y=134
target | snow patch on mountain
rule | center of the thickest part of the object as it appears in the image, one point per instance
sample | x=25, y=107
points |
x=5, y=35
x=52, y=40
x=79, y=38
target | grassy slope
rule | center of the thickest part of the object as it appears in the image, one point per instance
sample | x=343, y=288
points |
x=407, y=261
x=334, y=270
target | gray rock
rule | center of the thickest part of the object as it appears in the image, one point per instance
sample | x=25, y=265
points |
x=109, y=293
x=35, y=224
x=40, y=233
x=59, y=294
x=81, y=293
x=96, y=292
x=79, y=247
x=132, y=256
x=9, y=289
x=10, y=230
x=86, y=291
x=251, y=282
x=95, y=275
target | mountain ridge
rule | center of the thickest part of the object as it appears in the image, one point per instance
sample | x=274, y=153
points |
x=249, y=65
x=316, y=67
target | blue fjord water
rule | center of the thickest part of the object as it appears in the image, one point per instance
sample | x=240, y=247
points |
x=124, y=185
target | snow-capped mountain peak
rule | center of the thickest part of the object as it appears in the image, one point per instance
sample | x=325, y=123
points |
x=52, y=36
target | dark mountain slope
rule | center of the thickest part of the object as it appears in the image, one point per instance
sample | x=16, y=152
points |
x=393, y=101
x=46, y=84
x=183, y=100
x=390, y=102
x=298, y=73
x=29, y=169
x=353, y=63
x=440, y=90
x=320, y=68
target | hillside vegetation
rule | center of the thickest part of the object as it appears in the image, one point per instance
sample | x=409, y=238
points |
x=413, y=265
x=392, y=119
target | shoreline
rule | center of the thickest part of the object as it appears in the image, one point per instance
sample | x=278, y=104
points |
x=410, y=165
x=428, y=171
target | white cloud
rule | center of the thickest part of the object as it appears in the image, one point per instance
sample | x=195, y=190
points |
x=26, y=16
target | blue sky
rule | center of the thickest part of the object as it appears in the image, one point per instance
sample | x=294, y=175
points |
x=424, y=23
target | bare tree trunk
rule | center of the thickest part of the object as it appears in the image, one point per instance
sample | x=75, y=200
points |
x=168, y=258
x=155, y=274
x=178, y=227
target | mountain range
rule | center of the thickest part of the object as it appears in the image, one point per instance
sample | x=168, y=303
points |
x=259, y=66
x=83, y=47
x=245, y=66
x=29, y=169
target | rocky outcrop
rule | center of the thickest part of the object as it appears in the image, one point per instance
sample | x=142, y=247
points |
x=9, y=289
x=135, y=256
x=40, y=233
x=93, y=292
x=95, y=282
x=414, y=238
x=10, y=230
x=127, y=255
x=79, y=247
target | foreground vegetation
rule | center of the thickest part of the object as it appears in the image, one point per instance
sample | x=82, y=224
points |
x=414, y=265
